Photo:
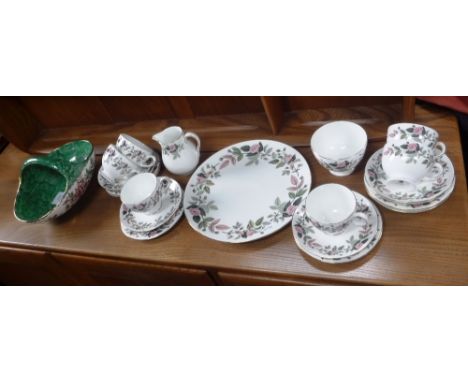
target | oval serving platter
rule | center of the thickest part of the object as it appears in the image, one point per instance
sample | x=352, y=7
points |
x=246, y=191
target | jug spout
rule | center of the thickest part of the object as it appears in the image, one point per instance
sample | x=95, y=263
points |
x=168, y=135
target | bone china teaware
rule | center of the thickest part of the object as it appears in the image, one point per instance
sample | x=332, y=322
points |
x=117, y=166
x=180, y=156
x=142, y=193
x=401, y=133
x=410, y=162
x=339, y=146
x=137, y=151
x=332, y=208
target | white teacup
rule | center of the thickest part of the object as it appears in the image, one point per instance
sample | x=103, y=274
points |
x=332, y=208
x=142, y=193
x=136, y=150
x=400, y=133
x=410, y=163
x=116, y=166
x=339, y=146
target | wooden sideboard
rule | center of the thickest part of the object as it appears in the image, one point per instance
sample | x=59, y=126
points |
x=86, y=247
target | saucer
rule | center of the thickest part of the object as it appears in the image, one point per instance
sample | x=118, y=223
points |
x=426, y=190
x=113, y=188
x=140, y=221
x=411, y=207
x=154, y=233
x=354, y=243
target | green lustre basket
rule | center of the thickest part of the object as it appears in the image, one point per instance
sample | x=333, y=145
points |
x=50, y=185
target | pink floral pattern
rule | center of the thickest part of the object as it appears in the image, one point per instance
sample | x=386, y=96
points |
x=173, y=150
x=305, y=232
x=341, y=165
x=375, y=177
x=202, y=210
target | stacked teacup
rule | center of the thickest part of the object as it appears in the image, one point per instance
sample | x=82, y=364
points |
x=127, y=158
x=411, y=173
x=151, y=206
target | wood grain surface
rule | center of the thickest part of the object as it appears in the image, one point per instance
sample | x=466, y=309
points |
x=428, y=248
x=39, y=124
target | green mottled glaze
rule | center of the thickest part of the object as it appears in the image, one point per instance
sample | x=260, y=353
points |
x=45, y=180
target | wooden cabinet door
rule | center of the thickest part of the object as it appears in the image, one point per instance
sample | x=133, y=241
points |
x=93, y=271
x=29, y=267
x=227, y=278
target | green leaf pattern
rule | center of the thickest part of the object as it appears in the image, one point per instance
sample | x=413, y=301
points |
x=305, y=231
x=202, y=209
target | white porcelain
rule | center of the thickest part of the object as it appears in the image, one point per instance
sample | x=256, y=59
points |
x=412, y=207
x=350, y=245
x=339, y=146
x=157, y=232
x=404, y=132
x=137, y=151
x=142, y=193
x=410, y=163
x=116, y=166
x=246, y=191
x=180, y=156
x=76, y=191
x=426, y=190
x=113, y=188
x=332, y=208
x=142, y=222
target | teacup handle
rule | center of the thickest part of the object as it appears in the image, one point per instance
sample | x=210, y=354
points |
x=360, y=219
x=195, y=137
x=440, y=146
x=150, y=161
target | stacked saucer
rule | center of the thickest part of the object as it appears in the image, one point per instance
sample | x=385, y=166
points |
x=151, y=206
x=123, y=160
x=411, y=173
x=426, y=195
x=347, y=240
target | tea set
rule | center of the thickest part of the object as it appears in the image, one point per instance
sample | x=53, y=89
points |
x=411, y=173
x=251, y=189
x=127, y=158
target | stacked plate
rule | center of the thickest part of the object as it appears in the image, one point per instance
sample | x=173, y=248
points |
x=426, y=195
x=145, y=226
x=350, y=245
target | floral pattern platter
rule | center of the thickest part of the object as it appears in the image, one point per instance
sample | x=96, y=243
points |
x=353, y=243
x=153, y=234
x=412, y=207
x=114, y=188
x=246, y=191
x=375, y=177
x=141, y=222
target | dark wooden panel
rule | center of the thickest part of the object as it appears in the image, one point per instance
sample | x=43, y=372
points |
x=17, y=124
x=225, y=105
x=29, y=267
x=292, y=103
x=94, y=271
x=55, y=112
x=134, y=109
x=237, y=279
x=181, y=107
x=408, y=108
x=219, y=131
x=274, y=110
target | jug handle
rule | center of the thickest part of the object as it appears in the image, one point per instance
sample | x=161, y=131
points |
x=195, y=137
